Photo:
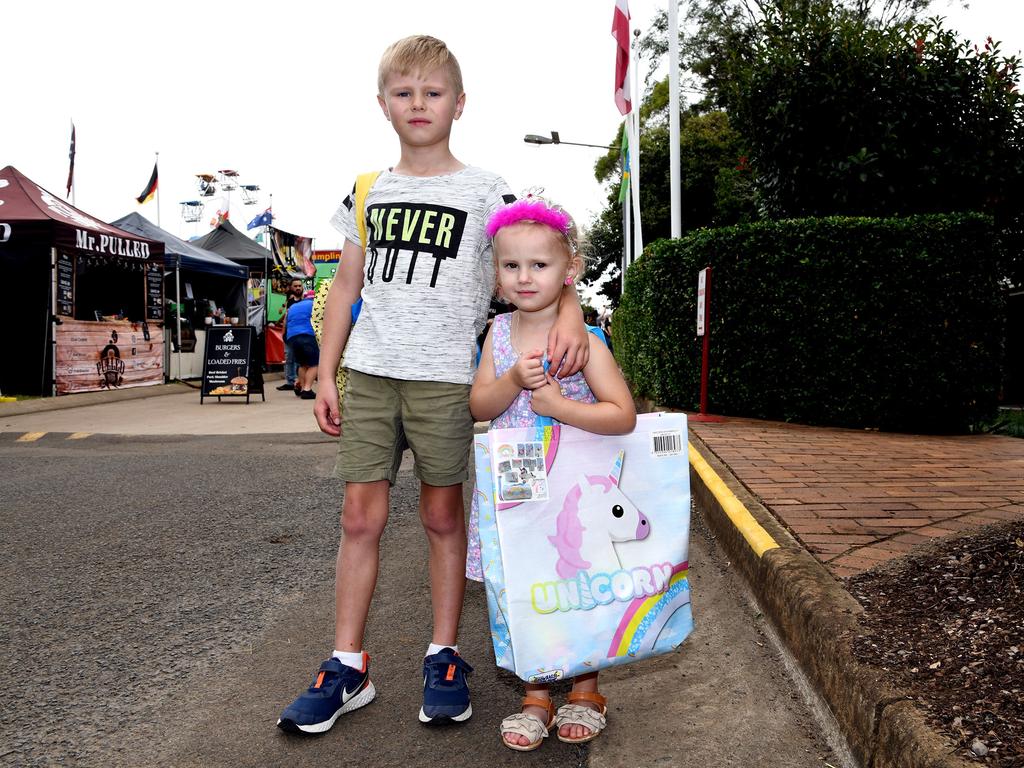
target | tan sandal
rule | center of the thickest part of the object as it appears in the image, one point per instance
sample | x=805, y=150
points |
x=577, y=714
x=530, y=726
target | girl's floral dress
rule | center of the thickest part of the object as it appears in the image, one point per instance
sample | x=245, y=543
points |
x=519, y=414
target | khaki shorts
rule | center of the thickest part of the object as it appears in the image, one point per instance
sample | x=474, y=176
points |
x=381, y=417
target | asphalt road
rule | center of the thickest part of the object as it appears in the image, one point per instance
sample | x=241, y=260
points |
x=164, y=597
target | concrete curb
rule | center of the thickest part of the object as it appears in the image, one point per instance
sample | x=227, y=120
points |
x=817, y=619
x=82, y=399
x=79, y=400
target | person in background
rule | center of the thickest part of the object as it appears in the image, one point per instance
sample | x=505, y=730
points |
x=301, y=339
x=295, y=291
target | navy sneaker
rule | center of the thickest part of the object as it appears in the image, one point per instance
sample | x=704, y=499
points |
x=337, y=689
x=445, y=692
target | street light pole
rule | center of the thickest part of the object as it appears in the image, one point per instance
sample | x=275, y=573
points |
x=533, y=138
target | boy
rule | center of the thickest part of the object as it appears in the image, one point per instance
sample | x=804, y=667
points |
x=426, y=278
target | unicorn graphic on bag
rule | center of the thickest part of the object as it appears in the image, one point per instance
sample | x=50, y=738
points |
x=596, y=515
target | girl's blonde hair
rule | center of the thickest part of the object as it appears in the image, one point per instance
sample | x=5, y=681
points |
x=534, y=209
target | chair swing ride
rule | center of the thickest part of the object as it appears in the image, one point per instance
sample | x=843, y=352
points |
x=210, y=184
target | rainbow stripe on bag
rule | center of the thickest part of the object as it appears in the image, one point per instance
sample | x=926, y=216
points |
x=645, y=618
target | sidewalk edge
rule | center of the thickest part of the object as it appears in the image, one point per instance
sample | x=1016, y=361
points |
x=83, y=399
x=817, y=619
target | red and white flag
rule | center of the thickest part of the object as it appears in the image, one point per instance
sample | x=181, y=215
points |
x=620, y=31
x=223, y=213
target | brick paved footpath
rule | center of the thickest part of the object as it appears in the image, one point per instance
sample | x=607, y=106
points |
x=858, y=498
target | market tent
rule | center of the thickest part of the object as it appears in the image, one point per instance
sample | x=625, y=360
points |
x=75, y=277
x=32, y=215
x=232, y=244
x=207, y=275
x=196, y=280
x=180, y=253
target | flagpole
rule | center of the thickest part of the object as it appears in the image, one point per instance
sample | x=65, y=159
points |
x=627, y=236
x=52, y=312
x=625, y=95
x=177, y=291
x=633, y=120
x=673, y=117
x=266, y=268
x=157, y=162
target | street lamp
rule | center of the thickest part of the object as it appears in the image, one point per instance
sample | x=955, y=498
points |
x=532, y=138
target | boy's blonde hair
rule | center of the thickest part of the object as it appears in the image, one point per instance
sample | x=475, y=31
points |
x=418, y=54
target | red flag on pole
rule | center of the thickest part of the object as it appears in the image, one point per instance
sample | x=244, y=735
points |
x=71, y=157
x=620, y=31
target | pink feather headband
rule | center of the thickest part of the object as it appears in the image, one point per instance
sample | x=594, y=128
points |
x=534, y=209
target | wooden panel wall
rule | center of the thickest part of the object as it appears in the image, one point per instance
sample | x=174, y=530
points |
x=114, y=354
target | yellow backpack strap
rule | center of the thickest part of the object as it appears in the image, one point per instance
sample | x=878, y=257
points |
x=319, y=303
x=317, y=318
x=363, y=184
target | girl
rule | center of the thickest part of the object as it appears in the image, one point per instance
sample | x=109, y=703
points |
x=536, y=252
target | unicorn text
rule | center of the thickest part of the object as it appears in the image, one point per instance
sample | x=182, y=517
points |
x=587, y=590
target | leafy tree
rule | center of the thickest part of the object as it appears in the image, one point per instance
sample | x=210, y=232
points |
x=715, y=27
x=603, y=247
x=715, y=177
x=846, y=117
x=857, y=107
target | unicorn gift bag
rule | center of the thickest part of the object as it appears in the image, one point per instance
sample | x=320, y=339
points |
x=584, y=545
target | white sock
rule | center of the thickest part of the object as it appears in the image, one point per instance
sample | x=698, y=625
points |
x=352, y=659
x=435, y=648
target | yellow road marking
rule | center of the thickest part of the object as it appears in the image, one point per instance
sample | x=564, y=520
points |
x=30, y=437
x=757, y=537
x=78, y=435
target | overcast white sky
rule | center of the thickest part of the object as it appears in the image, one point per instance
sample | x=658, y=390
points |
x=284, y=93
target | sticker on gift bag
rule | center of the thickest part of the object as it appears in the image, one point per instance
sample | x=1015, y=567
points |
x=592, y=571
x=520, y=474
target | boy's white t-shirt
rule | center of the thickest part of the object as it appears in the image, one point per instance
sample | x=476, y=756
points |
x=428, y=273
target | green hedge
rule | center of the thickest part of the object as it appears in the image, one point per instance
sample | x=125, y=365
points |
x=888, y=323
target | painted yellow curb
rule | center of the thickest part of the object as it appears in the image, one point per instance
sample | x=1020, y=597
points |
x=757, y=537
x=30, y=437
x=78, y=435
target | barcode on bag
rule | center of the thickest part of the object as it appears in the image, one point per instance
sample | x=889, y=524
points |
x=666, y=443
